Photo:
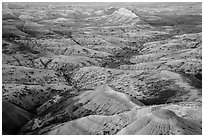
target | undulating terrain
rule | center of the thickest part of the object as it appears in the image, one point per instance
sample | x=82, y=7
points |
x=102, y=68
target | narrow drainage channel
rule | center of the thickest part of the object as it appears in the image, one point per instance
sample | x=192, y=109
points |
x=120, y=58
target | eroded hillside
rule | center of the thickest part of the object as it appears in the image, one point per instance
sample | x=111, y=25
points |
x=102, y=68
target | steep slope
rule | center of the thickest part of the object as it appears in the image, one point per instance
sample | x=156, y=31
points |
x=30, y=97
x=13, y=120
x=169, y=120
x=65, y=107
x=11, y=26
x=29, y=88
x=150, y=87
x=123, y=15
x=162, y=122
x=12, y=31
x=182, y=54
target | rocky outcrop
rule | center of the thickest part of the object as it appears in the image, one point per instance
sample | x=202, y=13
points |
x=122, y=15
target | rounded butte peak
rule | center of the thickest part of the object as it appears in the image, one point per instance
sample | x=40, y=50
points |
x=126, y=12
x=161, y=122
x=164, y=114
